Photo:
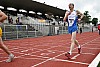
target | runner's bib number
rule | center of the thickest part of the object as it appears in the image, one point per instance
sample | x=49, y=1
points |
x=71, y=21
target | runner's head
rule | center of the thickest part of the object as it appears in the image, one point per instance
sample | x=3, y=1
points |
x=71, y=6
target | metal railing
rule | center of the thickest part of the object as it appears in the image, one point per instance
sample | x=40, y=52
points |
x=34, y=30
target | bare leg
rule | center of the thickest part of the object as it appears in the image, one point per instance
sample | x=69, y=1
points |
x=72, y=42
x=79, y=47
x=77, y=43
x=2, y=46
x=99, y=32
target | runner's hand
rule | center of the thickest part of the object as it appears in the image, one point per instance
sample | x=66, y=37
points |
x=79, y=20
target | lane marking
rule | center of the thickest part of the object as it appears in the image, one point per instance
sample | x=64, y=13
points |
x=2, y=61
x=31, y=58
x=91, y=48
x=42, y=62
x=71, y=61
x=75, y=56
x=44, y=54
x=95, y=62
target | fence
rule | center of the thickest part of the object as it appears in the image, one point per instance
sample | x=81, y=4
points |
x=34, y=30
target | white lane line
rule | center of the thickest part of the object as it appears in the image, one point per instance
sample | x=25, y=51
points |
x=32, y=55
x=2, y=61
x=75, y=56
x=42, y=62
x=95, y=62
x=88, y=53
x=44, y=54
x=24, y=51
x=91, y=48
x=31, y=58
x=71, y=61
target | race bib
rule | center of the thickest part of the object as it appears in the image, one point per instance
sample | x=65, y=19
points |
x=71, y=21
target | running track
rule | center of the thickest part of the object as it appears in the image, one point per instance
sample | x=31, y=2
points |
x=49, y=51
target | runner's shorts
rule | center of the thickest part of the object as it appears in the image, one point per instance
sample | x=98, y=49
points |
x=0, y=32
x=72, y=29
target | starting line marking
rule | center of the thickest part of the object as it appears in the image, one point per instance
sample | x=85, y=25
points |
x=71, y=61
x=95, y=62
x=75, y=56
x=42, y=62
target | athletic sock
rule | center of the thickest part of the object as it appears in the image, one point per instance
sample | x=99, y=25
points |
x=11, y=57
x=79, y=46
x=70, y=52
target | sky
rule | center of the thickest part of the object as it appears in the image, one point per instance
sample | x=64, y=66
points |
x=82, y=5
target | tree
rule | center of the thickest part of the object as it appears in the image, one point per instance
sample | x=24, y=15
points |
x=94, y=21
x=86, y=17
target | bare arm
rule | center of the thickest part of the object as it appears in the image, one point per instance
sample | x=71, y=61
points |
x=3, y=16
x=66, y=16
x=79, y=13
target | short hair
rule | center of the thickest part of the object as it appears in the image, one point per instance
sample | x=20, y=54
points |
x=71, y=4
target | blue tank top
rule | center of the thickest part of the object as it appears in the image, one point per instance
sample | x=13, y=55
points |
x=72, y=19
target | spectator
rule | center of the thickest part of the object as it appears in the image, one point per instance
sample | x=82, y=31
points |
x=99, y=28
x=18, y=22
x=10, y=20
x=80, y=28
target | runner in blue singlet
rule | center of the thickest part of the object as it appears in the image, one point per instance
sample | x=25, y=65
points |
x=72, y=17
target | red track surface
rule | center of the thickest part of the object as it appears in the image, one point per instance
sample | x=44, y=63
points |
x=49, y=51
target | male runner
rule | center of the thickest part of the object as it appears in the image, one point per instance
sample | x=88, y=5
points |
x=72, y=17
x=2, y=46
